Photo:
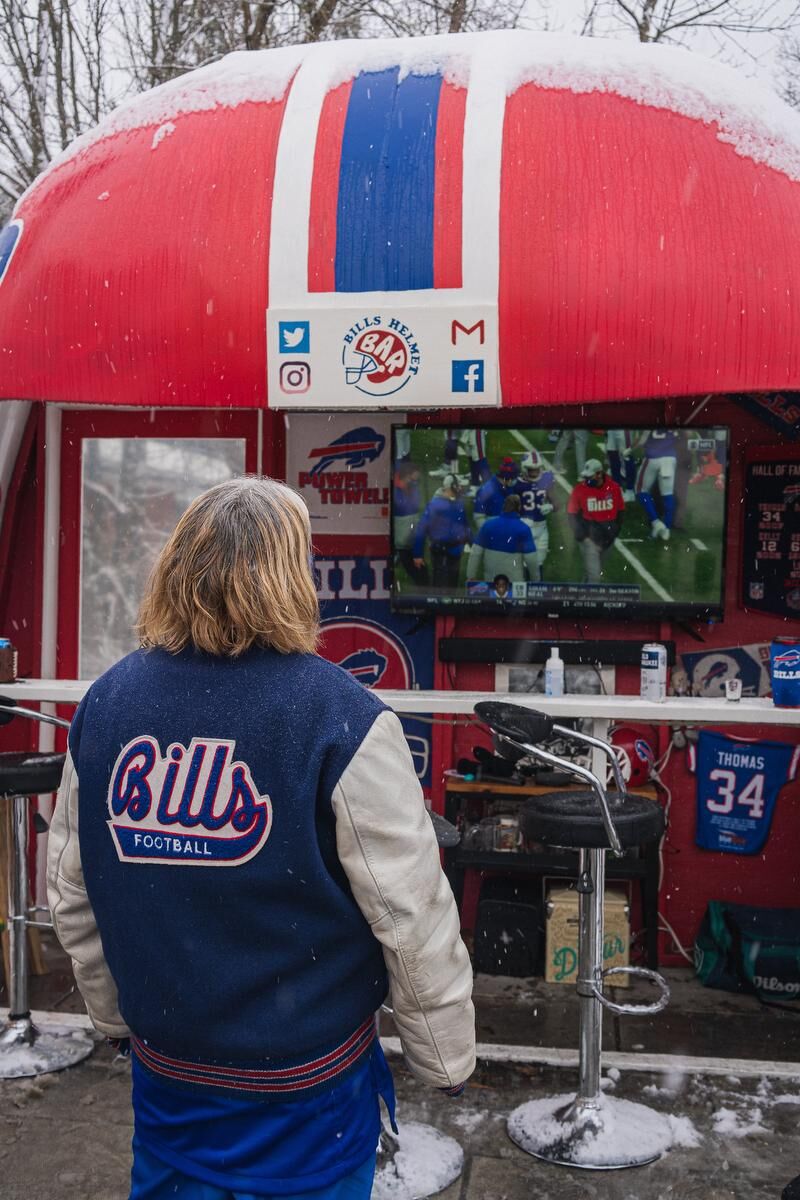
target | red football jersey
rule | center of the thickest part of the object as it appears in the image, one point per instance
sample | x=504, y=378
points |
x=603, y=503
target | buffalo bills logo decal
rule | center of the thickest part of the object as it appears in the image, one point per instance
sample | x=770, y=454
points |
x=368, y=666
x=353, y=449
x=719, y=670
x=195, y=805
x=371, y=652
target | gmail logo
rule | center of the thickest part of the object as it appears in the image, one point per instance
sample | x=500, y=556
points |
x=467, y=331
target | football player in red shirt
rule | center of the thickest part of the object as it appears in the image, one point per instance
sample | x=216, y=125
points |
x=595, y=510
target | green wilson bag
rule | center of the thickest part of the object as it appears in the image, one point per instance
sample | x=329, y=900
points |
x=740, y=948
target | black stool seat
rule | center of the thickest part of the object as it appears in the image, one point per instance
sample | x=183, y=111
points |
x=574, y=820
x=26, y=773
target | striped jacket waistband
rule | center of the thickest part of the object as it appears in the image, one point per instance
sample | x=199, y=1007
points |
x=277, y=1081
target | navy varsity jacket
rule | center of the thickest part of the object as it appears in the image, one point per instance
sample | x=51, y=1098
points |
x=233, y=874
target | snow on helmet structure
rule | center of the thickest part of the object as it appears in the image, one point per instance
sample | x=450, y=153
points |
x=173, y=295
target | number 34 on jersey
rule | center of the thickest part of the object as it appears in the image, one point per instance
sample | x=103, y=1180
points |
x=737, y=786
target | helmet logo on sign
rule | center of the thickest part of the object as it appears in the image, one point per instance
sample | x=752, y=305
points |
x=379, y=358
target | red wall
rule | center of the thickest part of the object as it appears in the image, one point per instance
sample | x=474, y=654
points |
x=692, y=876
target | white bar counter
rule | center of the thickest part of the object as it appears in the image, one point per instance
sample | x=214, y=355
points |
x=676, y=710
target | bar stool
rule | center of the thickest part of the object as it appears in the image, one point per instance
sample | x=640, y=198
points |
x=419, y=1161
x=26, y=1050
x=590, y=1129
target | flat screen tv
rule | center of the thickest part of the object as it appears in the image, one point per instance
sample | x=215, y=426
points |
x=587, y=522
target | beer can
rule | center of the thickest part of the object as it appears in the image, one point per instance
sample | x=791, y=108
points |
x=784, y=663
x=654, y=672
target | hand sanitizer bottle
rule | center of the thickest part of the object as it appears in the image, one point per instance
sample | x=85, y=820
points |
x=554, y=674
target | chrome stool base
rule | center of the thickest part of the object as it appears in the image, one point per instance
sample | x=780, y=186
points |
x=602, y=1135
x=589, y=1130
x=27, y=1051
x=419, y=1162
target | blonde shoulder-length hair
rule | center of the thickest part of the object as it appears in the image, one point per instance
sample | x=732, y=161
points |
x=236, y=572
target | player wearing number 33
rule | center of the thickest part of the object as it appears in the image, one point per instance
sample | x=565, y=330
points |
x=535, y=490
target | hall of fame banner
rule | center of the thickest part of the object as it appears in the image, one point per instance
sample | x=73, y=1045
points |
x=771, y=540
x=381, y=649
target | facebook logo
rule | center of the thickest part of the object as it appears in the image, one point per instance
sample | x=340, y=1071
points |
x=294, y=337
x=467, y=375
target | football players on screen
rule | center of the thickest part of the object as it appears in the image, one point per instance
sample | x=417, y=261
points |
x=658, y=467
x=535, y=490
x=491, y=496
x=444, y=526
x=504, y=545
x=620, y=444
x=595, y=510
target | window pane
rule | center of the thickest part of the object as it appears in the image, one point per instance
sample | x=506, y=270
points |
x=133, y=491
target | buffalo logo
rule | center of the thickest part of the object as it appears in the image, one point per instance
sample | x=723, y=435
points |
x=9, y=240
x=357, y=448
x=369, y=651
x=367, y=666
x=644, y=752
x=719, y=670
x=194, y=806
x=379, y=357
x=789, y=660
x=791, y=493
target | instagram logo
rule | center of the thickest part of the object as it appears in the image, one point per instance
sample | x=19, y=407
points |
x=295, y=377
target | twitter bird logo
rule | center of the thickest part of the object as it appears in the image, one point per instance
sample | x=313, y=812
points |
x=294, y=337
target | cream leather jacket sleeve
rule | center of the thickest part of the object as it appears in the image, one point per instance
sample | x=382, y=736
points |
x=387, y=847
x=72, y=913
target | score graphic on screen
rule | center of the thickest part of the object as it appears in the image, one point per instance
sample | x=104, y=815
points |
x=586, y=521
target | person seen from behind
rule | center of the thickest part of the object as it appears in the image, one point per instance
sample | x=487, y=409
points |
x=242, y=868
x=504, y=545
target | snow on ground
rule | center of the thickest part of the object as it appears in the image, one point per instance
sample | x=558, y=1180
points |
x=470, y=1121
x=425, y=1162
x=738, y=1124
x=684, y=1132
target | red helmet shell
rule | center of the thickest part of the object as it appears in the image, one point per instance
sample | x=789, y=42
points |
x=634, y=747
